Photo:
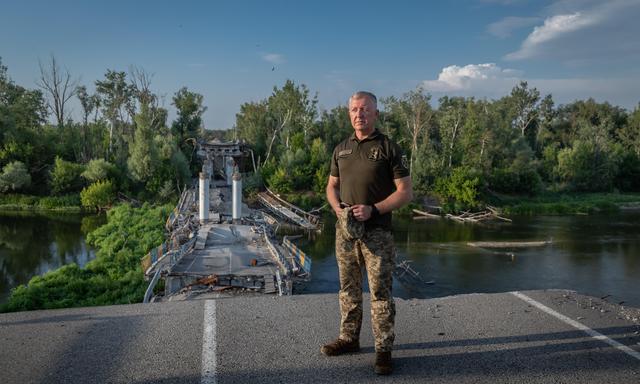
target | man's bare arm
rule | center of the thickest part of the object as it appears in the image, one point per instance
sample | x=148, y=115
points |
x=401, y=196
x=333, y=194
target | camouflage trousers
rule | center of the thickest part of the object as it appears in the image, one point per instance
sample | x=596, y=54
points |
x=374, y=252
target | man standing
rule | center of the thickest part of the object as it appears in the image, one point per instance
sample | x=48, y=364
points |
x=368, y=180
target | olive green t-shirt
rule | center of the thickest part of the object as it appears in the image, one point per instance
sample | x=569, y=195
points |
x=366, y=169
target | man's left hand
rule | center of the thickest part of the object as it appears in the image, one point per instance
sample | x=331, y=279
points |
x=361, y=212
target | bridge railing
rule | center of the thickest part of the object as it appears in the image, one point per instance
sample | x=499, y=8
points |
x=313, y=219
x=299, y=256
x=164, y=257
x=166, y=264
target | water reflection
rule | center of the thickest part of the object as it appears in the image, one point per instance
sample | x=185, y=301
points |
x=597, y=255
x=31, y=245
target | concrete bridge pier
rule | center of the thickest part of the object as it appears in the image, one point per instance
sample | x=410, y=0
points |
x=204, y=197
x=229, y=165
x=237, y=197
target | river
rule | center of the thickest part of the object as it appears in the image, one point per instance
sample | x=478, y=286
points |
x=32, y=244
x=597, y=255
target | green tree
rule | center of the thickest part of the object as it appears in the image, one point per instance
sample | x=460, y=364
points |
x=14, y=177
x=451, y=119
x=188, y=124
x=99, y=169
x=629, y=134
x=477, y=139
x=573, y=117
x=416, y=114
x=521, y=175
x=99, y=195
x=90, y=104
x=281, y=128
x=172, y=172
x=65, y=176
x=143, y=156
x=459, y=190
x=22, y=138
x=319, y=165
x=333, y=126
x=252, y=125
x=293, y=110
x=525, y=109
x=586, y=167
x=118, y=106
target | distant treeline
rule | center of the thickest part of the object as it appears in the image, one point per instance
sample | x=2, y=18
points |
x=122, y=143
x=465, y=150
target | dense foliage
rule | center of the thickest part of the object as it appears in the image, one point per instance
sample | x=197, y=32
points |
x=99, y=195
x=466, y=151
x=123, y=137
x=19, y=202
x=113, y=277
x=462, y=149
x=14, y=177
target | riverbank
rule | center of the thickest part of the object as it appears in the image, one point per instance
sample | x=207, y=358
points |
x=62, y=204
x=565, y=204
x=113, y=277
x=556, y=204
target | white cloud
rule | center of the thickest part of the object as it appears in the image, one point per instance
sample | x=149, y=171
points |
x=503, y=28
x=554, y=27
x=273, y=58
x=584, y=30
x=471, y=77
x=491, y=81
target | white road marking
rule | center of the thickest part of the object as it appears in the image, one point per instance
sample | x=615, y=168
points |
x=209, y=344
x=596, y=335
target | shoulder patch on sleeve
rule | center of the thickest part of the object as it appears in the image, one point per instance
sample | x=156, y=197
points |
x=405, y=161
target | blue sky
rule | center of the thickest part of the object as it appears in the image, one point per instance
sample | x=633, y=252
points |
x=236, y=52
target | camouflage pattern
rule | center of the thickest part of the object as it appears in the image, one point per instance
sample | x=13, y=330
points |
x=375, y=252
x=351, y=228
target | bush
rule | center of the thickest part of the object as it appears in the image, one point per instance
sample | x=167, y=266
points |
x=320, y=179
x=280, y=181
x=586, y=167
x=18, y=200
x=113, y=277
x=67, y=203
x=99, y=169
x=14, y=176
x=56, y=202
x=506, y=180
x=99, y=195
x=65, y=176
x=460, y=189
x=628, y=177
x=253, y=183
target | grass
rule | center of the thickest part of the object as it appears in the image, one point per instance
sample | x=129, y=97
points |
x=113, y=277
x=564, y=204
x=17, y=202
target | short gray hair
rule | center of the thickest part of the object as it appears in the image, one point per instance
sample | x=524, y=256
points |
x=363, y=94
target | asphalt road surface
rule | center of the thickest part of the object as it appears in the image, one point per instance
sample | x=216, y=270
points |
x=528, y=337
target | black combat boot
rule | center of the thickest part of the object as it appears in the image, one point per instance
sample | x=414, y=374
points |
x=339, y=347
x=383, y=364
